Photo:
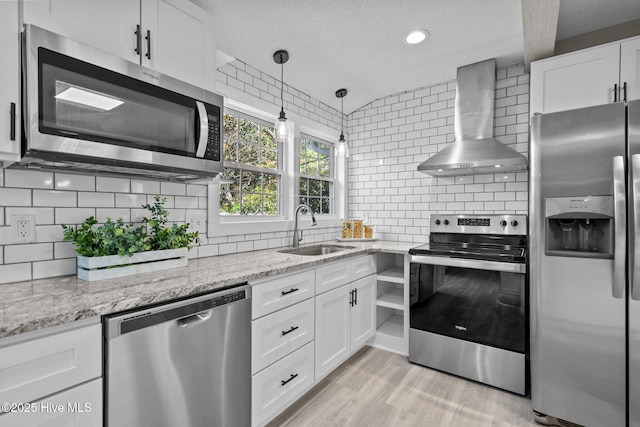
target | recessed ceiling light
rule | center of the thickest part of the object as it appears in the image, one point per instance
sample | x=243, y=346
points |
x=416, y=36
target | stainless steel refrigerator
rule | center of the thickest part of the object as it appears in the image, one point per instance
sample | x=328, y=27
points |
x=585, y=266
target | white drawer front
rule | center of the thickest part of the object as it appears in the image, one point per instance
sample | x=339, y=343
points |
x=271, y=295
x=37, y=368
x=278, y=334
x=79, y=406
x=332, y=276
x=268, y=393
x=362, y=267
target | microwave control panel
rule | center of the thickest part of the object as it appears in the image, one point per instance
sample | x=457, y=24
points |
x=213, y=141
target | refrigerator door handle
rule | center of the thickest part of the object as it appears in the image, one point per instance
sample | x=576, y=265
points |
x=620, y=219
x=635, y=182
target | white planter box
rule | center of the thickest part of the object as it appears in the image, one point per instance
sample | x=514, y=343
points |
x=95, y=268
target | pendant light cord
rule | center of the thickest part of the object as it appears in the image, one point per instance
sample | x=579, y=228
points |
x=282, y=86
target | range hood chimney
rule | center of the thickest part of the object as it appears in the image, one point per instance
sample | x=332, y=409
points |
x=475, y=150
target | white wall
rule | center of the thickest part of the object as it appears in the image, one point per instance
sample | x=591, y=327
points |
x=391, y=136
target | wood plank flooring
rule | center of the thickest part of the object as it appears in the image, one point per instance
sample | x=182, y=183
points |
x=377, y=388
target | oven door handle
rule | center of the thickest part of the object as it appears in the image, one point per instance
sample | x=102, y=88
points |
x=470, y=263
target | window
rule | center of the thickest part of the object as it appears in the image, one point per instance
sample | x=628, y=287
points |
x=316, y=174
x=252, y=167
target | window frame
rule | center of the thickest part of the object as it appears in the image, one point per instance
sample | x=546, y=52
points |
x=332, y=172
x=279, y=172
x=221, y=226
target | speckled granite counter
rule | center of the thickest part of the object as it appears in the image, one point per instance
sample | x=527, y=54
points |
x=28, y=306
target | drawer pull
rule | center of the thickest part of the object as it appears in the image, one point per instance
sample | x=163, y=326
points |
x=289, y=291
x=284, y=382
x=293, y=328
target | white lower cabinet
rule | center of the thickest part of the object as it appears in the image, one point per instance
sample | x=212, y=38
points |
x=274, y=388
x=278, y=334
x=79, y=406
x=303, y=326
x=52, y=377
x=332, y=329
x=345, y=321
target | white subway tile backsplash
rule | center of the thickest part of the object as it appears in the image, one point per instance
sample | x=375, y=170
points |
x=54, y=198
x=15, y=272
x=173, y=188
x=54, y=268
x=28, y=179
x=49, y=233
x=43, y=216
x=146, y=187
x=75, y=182
x=73, y=215
x=15, y=197
x=96, y=200
x=130, y=200
x=64, y=250
x=30, y=252
x=102, y=214
x=112, y=185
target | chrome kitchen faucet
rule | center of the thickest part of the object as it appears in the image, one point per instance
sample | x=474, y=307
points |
x=297, y=239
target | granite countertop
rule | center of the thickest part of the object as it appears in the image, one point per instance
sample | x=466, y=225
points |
x=37, y=304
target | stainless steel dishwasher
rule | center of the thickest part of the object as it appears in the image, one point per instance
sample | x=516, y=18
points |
x=185, y=363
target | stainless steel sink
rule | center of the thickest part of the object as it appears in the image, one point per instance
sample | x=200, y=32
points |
x=316, y=250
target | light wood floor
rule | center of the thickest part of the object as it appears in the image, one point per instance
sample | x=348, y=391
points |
x=377, y=388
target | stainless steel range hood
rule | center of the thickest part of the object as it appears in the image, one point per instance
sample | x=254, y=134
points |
x=475, y=151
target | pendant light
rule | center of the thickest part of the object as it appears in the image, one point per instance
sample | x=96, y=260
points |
x=282, y=126
x=343, y=147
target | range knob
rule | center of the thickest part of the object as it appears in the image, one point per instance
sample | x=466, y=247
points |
x=503, y=223
x=437, y=222
x=514, y=222
x=446, y=222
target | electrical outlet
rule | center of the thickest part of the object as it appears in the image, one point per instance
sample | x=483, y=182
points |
x=197, y=221
x=23, y=228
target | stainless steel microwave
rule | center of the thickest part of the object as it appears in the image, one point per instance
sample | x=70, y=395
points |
x=85, y=110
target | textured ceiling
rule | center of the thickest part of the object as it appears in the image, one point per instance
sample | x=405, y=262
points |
x=358, y=44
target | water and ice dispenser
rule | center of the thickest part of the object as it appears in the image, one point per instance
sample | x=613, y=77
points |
x=579, y=226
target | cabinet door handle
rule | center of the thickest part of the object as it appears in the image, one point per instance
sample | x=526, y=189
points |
x=138, y=48
x=624, y=90
x=12, y=129
x=290, y=291
x=284, y=382
x=355, y=296
x=148, y=39
x=615, y=92
x=351, y=298
x=293, y=328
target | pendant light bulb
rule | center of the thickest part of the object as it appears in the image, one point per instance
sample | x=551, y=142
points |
x=282, y=126
x=343, y=147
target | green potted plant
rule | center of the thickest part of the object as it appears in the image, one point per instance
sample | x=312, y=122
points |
x=116, y=249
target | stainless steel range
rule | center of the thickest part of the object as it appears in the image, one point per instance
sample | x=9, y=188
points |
x=468, y=313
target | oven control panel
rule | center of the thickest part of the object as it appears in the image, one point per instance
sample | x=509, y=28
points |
x=479, y=224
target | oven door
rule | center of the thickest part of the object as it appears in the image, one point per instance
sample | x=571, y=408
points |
x=468, y=317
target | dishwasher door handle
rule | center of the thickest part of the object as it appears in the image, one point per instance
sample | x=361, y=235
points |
x=194, y=318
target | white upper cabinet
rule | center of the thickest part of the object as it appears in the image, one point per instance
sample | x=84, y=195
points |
x=174, y=37
x=9, y=82
x=586, y=78
x=630, y=67
x=575, y=80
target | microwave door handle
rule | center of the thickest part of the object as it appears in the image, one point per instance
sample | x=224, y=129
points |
x=635, y=182
x=203, y=136
x=620, y=219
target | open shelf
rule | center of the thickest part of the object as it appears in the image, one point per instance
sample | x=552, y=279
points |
x=393, y=274
x=393, y=298
x=392, y=327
